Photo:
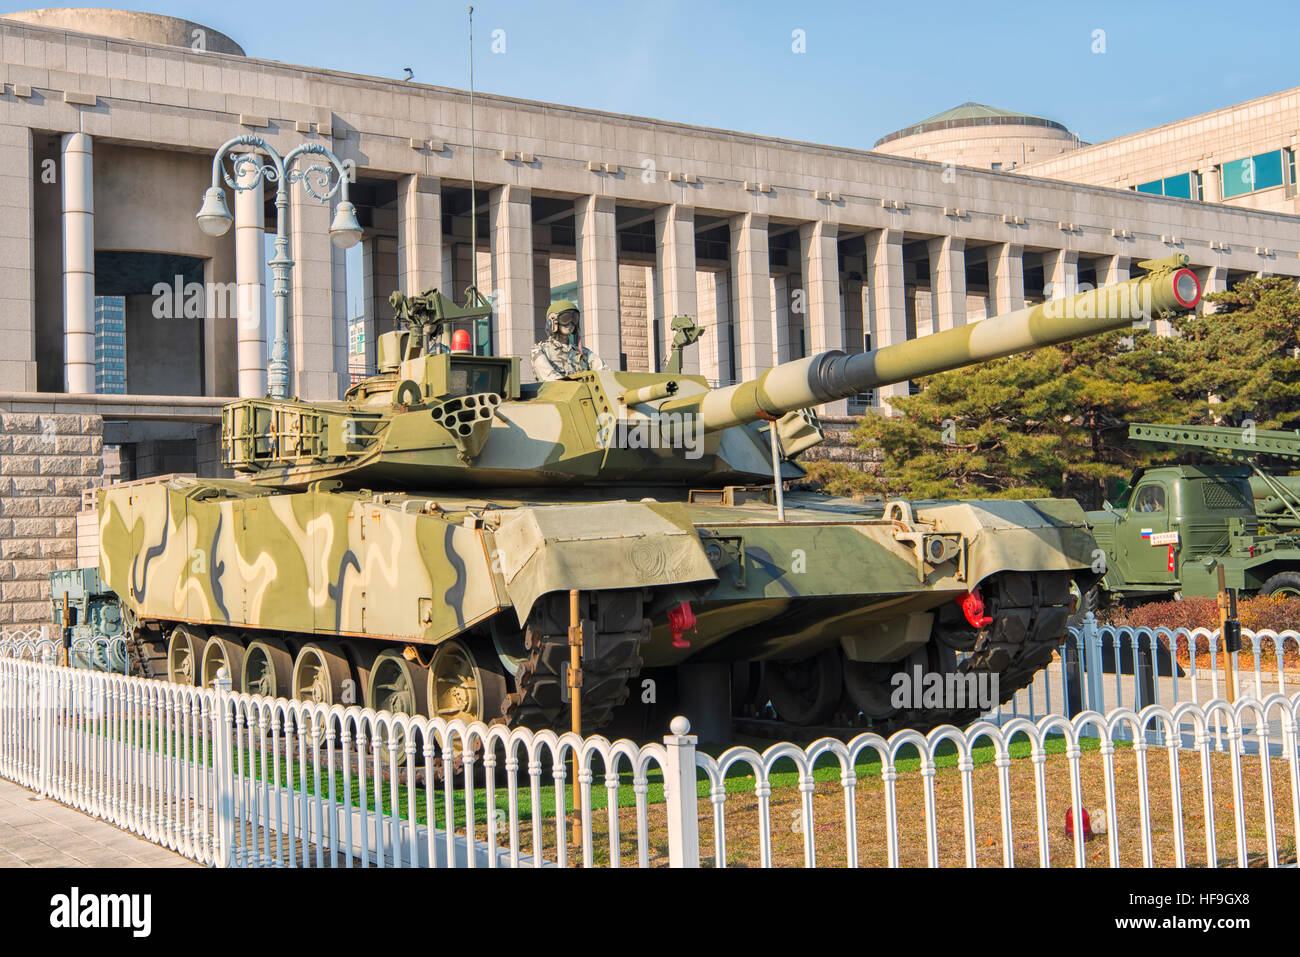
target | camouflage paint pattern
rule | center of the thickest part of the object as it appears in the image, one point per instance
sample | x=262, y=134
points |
x=302, y=546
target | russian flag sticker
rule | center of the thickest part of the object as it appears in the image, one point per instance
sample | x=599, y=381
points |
x=1146, y=533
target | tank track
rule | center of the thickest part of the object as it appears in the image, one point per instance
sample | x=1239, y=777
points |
x=1029, y=612
x=608, y=665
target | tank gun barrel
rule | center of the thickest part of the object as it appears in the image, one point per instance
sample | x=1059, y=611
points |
x=804, y=383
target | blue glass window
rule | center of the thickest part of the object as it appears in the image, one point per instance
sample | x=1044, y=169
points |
x=1179, y=186
x=1262, y=171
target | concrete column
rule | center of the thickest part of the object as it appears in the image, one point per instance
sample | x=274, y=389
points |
x=250, y=283
x=18, y=180
x=751, y=294
x=1112, y=269
x=819, y=251
x=675, y=277
x=379, y=278
x=714, y=318
x=947, y=256
x=419, y=234
x=542, y=299
x=780, y=292
x=1210, y=186
x=596, y=240
x=78, y=264
x=1061, y=270
x=1213, y=279
x=887, y=295
x=1006, y=278
x=512, y=272
x=312, y=365
x=342, y=310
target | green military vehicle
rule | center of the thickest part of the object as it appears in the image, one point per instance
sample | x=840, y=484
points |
x=1174, y=525
x=414, y=546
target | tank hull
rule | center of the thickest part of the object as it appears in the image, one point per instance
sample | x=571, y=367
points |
x=871, y=583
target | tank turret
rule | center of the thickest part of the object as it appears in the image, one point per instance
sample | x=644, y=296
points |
x=433, y=417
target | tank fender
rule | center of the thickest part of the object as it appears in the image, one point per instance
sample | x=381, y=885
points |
x=551, y=548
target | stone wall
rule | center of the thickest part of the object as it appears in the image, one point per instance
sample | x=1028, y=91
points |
x=839, y=445
x=46, y=461
x=632, y=312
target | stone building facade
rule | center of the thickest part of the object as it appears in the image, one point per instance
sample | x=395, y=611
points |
x=781, y=248
x=47, y=459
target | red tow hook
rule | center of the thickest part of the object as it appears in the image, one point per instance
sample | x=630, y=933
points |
x=681, y=620
x=972, y=606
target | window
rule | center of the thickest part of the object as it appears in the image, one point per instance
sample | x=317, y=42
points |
x=1180, y=186
x=1149, y=500
x=1262, y=171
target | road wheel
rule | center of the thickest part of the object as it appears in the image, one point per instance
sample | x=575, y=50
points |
x=805, y=692
x=870, y=686
x=463, y=684
x=185, y=654
x=267, y=669
x=320, y=673
x=223, y=651
x=1284, y=584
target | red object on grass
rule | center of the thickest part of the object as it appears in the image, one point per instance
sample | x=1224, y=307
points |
x=1069, y=824
x=460, y=341
x=972, y=606
x=681, y=620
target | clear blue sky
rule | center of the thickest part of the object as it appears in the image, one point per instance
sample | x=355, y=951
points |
x=870, y=68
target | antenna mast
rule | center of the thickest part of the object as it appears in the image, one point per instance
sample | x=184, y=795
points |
x=473, y=179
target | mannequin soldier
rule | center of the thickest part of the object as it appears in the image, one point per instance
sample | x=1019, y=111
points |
x=560, y=355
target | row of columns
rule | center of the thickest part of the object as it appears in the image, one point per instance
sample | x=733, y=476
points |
x=747, y=307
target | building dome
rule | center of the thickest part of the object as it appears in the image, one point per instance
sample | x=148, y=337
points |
x=131, y=25
x=981, y=136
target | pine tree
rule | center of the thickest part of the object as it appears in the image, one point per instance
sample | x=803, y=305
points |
x=1241, y=361
x=1054, y=422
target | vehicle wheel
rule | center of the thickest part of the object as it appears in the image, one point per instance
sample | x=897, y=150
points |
x=1286, y=584
x=320, y=673
x=463, y=684
x=223, y=651
x=185, y=654
x=870, y=686
x=267, y=669
x=397, y=686
x=805, y=692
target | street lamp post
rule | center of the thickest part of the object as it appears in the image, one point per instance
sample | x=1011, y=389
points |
x=319, y=181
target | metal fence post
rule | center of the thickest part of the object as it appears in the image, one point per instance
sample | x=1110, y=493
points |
x=1092, y=656
x=1073, y=671
x=681, y=796
x=223, y=770
x=44, y=726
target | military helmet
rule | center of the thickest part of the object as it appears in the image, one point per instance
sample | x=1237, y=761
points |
x=559, y=308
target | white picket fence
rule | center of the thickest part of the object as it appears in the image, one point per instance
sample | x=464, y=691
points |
x=240, y=780
x=1150, y=673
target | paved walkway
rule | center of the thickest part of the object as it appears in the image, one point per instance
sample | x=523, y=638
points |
x=36, y=833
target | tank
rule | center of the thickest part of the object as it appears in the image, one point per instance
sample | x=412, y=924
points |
x=417, y=545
